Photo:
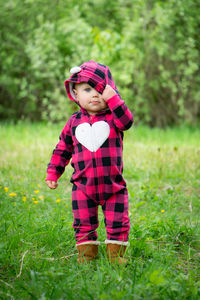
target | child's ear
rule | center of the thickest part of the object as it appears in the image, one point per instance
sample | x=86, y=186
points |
x=75, y=92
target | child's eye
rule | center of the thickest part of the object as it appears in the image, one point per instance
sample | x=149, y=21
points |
x=87, y=89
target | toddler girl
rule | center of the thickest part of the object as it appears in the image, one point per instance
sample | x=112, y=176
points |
x=93, y=140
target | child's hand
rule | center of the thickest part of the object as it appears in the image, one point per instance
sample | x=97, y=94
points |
x=51, y=184
x=108, y=93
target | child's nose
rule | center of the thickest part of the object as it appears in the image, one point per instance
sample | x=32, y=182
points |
x=95, y=93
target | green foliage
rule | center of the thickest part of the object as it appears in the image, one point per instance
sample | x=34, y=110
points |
x=152, y=48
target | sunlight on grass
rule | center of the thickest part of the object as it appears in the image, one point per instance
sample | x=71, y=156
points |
x=37, y=248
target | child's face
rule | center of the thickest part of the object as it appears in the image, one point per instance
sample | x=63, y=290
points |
x=89, y=98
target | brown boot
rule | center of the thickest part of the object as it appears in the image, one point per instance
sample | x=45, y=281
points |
x=87, y=251
x=115, y=253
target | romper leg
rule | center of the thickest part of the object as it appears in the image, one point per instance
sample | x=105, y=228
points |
x=116, y=216
x=85, y=212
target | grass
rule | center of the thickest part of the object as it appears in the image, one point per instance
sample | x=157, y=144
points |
x=37, y=253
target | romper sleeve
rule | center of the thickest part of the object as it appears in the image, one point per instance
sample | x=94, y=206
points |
x=122, y=117
x=61, y=154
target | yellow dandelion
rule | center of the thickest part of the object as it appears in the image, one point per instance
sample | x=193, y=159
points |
x=24, y=198
x=36, y=191
x=12, y=194
x=36, y=202
x=162, y=211
x=33, y=198
x=6, y=189
x=58, y=200
x=41, y=197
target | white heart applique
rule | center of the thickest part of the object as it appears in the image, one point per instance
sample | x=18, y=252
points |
x=92, y=136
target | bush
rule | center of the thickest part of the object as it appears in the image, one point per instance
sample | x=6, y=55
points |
x=152, y=48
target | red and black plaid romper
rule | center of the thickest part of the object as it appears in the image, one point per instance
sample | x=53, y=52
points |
x=98, y=166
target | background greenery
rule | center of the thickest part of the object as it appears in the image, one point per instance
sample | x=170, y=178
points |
x=37, y=245
x=152, y=48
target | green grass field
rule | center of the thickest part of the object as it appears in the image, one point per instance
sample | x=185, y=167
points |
x=37, y=246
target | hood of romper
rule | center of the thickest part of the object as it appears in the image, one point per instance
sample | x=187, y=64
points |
x=93, y=73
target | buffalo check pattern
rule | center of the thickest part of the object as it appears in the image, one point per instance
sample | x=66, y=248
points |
x=97, y=178
x=85, y=212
